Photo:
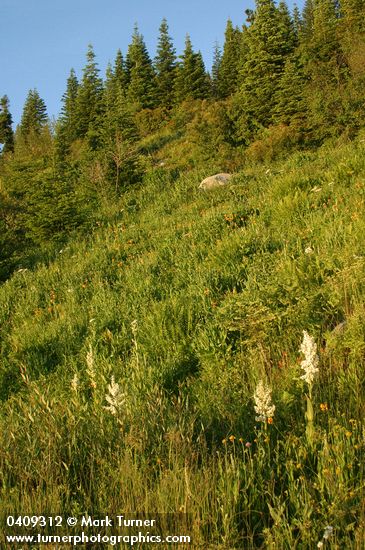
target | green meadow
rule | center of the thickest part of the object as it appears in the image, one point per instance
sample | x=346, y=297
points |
x=131, y=353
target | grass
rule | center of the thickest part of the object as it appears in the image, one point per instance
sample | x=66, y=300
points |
x=188, y=299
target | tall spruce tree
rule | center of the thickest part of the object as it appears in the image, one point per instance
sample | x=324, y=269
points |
x=324, y=43
x=120, y=72
x=269, y=41
x=89, y=98
x=291, y=107
x=326, y=71
x=192, y=80
x=34, y=117
x=165, y=67
x=228, y=70
x=6, y=130
x=69, y=111
x=217, y=61
x=141, y=76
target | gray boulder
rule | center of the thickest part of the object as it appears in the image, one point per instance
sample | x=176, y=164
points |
x=215, y=181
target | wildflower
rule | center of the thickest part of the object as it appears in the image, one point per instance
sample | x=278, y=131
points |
x=309, y=250
x=248, y=444
x=328, y=531
x=115, y=398
x=263, y=405
x=224, y=441
x=90, y=367
x=241, y=440
x=310, y=363
x=323, y=407
x=75, y=382
x=231, y=438
x=270, y=420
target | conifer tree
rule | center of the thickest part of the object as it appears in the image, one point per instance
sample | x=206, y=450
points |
x=228, y=70
x=269, y=41
x=165, y=67
x=352, y=12
x=69, y=111
x=307, y=22
x=291, y=107
x=297, y=22
x=217, y=61
x=324, y=41
x=141, y=77
x=191, y=80
x=326, y=71
x=89, y=97
x=6, y=130
x=286, y=28
x=120, y=72
x=34, y=116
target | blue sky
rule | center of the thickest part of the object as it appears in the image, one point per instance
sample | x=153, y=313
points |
x=40, y=40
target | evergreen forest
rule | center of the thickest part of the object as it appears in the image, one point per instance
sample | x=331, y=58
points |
x=193, y=354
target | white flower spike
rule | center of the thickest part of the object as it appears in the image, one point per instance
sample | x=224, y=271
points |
x=114, y=397
x=264, y=408
x=311, y=359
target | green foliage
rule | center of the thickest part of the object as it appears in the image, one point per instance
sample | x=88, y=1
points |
x=216, y=292
x=131, y=352
x=228, y=67
x=89, y=102
x=141, y=76
x=291, y=107
x=165, y=68
x=119, y=149
x=34, y=117
x=6, y=131
x=120, y=72
x=269, y=40
x=217, y=60
x=69, y=112
x=191, y=81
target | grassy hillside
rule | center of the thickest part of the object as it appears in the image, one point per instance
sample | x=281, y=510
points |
x=186, y=300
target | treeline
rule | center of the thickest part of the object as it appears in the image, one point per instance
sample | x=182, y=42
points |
x=283, y=80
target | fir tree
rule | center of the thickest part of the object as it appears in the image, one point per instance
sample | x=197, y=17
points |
x=291, y=107
x=89, y=97
x=307, y=22
x=6, y=130
x=228, y=70
x=297, y=22
x=269, y=41
x=324, y=41
x=217, y=61
x=34, y=117
x=140, y=72
x=286, y=29
x=192, y=80
x=165, y=67
x=69, y=111
x=353, y=19
x=326, y=71
x=120, y=72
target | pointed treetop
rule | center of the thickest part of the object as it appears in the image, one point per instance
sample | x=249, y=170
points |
x=6, y=121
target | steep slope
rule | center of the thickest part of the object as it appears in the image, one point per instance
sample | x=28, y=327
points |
x=128, y=360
